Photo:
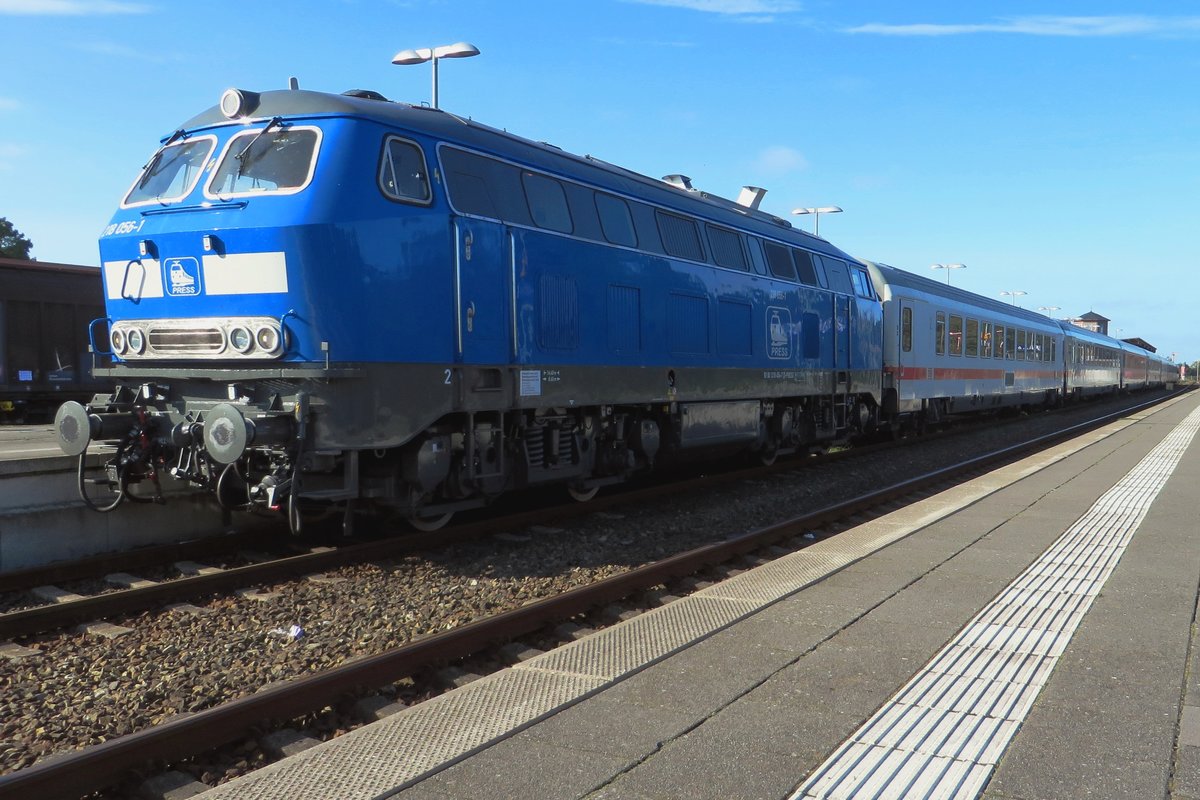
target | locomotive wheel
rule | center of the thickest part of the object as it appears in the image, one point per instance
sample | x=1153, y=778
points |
x=428, y=524
x=582, y=495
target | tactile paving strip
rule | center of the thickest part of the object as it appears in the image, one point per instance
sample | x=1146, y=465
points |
x=942, y=734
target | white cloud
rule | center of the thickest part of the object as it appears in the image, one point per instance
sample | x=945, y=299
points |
x=760, y=10
x=779, y=159
x=73, y=8
x=1129, y=25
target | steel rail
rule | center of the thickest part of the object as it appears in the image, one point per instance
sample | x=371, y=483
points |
x=71, y=775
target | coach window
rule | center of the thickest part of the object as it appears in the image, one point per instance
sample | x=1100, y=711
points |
x=906, y=329
x=1022, y=344
x=402, y=174
x=727, y=248
x=547, y=202
x=679, y=236
x=862, y=283
x=615, y=220
x=779, y=261
x=972, y=338
x=956, y=335
x=804, y=266
x=939, y=332
x=985, y=341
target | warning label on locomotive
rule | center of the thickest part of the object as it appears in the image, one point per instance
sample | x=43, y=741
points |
x=531, y=382
x=779, y=333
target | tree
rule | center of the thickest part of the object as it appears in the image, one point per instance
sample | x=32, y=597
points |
x=13, y=243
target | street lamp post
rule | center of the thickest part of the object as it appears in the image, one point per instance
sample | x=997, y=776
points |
x=1049, y=309
x=817, y=212
x=1013, y=294
x=947, y=267
x=420, y=56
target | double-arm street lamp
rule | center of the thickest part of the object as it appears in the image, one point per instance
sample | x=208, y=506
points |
x=817, y=212
x=1048, y=310
x=1014, y=294
x=947, y=267
x=459, y=50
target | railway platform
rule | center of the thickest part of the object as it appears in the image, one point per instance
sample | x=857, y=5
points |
x=1025, y=635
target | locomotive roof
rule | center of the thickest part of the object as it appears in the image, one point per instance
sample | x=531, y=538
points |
x=446, y=126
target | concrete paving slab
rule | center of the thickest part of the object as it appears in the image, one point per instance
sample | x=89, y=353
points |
x=524, y=767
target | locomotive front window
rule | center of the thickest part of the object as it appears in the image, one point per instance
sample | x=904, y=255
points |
x=172, y=173
x=402, y=174
x=267, y=160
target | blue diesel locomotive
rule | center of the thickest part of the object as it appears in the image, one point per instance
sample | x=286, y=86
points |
x=320, y=300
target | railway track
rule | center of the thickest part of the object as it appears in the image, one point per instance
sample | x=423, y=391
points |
x=189, y=579
x=77, y=773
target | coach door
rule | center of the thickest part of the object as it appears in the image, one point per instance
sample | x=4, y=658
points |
x=482, y=294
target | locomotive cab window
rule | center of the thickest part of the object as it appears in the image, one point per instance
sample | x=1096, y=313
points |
x=172, y=173
x=402, y=173
x=266, y=160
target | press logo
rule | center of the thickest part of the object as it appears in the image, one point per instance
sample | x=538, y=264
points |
x=779, y=333
x=181, y=277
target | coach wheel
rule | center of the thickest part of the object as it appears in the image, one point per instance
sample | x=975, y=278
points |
x=106, y=494
x=580, y=494
x=428, y=524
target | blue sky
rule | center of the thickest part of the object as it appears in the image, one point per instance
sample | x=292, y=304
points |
x=1050, y=147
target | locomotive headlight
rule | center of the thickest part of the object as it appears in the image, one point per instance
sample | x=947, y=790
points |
x=117, y=339
x=240, y=339
x=136, y=340
x=238, y=103
x=267, y=338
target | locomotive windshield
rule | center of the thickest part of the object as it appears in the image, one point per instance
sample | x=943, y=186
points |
x=172, y=173
x=270, y=159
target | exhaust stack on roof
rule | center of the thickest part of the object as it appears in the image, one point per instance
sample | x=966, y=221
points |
x=679, y=182
x=751, y=196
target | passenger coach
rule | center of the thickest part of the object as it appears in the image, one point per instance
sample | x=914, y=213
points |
x=948, y=351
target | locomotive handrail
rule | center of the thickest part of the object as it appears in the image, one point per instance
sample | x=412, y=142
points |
x=125, y=280
x=92, y=336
